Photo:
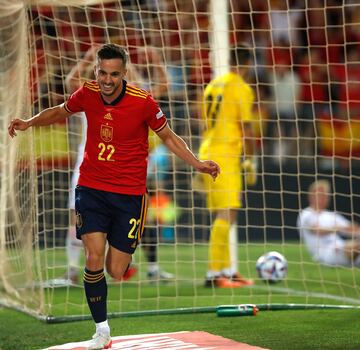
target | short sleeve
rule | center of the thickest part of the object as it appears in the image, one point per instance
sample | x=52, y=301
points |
x=155, y=117
x=75, y=102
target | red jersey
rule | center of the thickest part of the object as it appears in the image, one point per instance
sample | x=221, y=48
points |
x=116, y=150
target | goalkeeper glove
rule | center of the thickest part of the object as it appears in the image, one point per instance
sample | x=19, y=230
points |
x=249, y=171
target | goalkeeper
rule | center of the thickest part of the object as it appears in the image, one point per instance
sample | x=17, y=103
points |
x=228, y=137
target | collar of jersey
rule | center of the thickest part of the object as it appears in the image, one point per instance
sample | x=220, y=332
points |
x=117, y=99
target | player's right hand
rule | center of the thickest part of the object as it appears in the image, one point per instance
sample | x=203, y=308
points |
x=17, y=124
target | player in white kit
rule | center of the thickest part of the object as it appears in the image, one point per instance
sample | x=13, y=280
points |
x=74, y=245
x=330, y=238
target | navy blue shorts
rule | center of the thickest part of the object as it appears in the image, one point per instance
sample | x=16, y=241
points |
x=122, y=217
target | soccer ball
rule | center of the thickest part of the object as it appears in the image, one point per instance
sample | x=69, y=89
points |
x=272, y=267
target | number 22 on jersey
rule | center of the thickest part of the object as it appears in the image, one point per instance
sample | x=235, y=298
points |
x=106, y=152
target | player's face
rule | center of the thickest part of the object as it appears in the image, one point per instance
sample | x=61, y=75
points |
x=320, y=198
x=109, y=75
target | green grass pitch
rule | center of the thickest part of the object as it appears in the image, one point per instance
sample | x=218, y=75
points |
x=307, y=283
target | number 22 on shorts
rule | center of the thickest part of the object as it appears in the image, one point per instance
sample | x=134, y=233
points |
x=134, y=229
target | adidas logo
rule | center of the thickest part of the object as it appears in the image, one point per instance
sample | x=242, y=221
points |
x=108, y=116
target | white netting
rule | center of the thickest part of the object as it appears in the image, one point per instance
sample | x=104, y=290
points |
x=306, y=78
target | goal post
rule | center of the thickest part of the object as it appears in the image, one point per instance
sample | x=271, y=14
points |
x=219, y=20
x=305, y=76
x=18, y=224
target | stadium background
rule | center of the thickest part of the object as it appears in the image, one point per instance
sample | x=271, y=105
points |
x=316, y=45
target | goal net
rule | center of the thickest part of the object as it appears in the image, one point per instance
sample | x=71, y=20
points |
x=306, y=80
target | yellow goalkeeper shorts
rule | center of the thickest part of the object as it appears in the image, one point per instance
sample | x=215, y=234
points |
x=225, y=191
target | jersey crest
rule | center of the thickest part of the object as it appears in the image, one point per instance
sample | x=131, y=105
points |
x=106, y=132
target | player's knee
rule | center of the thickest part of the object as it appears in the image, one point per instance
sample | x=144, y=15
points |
x=116, y=274
x=94, y=261
x=118, y=271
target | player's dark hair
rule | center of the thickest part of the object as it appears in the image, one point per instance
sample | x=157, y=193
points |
x=110, y=51
x=241, y=54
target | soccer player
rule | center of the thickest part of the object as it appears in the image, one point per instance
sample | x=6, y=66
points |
x=322, y=230
x=228, y=137
x=74, y=246
x=111, y=199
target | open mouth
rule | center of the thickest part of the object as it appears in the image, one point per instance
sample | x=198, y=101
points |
x=108, y=87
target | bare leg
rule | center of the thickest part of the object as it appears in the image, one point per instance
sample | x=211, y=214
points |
x=94, y=244
x=117, y=262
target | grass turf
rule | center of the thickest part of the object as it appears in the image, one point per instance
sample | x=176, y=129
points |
x=307, y=282
x=276, y=330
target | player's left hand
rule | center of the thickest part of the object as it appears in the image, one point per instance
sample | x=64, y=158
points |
x=209, y=167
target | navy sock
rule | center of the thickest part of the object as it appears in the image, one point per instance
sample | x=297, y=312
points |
x=96, y=294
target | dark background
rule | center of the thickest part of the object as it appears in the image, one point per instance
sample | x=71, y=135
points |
x=269, y=213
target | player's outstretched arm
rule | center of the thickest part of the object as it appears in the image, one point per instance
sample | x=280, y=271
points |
x=352, y=230
x=178, y=146
x=79, y=72
x=46, y=117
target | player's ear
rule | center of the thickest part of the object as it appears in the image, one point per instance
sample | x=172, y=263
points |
x=125, y=72
x=95, y=70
